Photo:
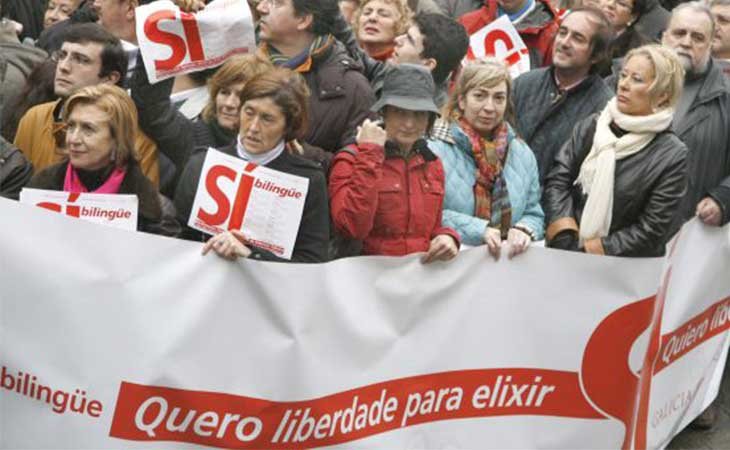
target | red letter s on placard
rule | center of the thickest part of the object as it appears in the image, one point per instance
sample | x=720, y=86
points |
x=211, y=185
x=172, y=40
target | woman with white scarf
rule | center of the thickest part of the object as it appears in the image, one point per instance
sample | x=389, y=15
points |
x=616, y=184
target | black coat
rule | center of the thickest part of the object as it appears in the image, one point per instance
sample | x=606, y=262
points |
x=15, y=170
x=545, y=119
x=706, y=131
x=648, y=187
x=155, y=215
x=313, y=238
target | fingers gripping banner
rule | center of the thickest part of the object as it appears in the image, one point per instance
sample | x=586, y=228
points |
x=115, y=339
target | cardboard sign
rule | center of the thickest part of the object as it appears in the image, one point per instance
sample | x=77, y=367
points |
x=501, y=40
x=173, y=42
x=114, y=210
x=265, y=204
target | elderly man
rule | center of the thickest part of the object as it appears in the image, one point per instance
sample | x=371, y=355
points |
x=702, y=121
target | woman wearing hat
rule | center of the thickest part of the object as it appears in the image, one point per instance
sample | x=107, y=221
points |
x=388, y=190
x=492, y=181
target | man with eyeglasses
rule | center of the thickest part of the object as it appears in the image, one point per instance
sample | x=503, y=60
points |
x=297, y=34
x=88, y=56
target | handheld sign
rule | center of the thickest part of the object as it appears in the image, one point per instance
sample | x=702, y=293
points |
x=265, y=204
x=501, y=40
x=173, y=42
x=114, y=210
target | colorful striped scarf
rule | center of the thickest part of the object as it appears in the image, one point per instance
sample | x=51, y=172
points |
x=302, y=62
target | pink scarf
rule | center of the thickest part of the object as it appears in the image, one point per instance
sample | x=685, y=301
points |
x=72, y=182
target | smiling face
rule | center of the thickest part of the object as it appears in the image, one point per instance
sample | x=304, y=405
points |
x=572, y=48
x=377, y=22
x=89, y=141
x=228, y=106
x=689, y=34
x=484, y=107
x=263, y=125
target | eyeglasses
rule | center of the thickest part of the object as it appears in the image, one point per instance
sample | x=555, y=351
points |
x=75, y=59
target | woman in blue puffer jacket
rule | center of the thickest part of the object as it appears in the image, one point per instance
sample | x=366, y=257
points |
x=492, y=183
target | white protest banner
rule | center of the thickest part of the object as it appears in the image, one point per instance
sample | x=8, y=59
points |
x=173, y=42
x=136, y=341
x=501, y=40
x=265, y=204
x=114, y=210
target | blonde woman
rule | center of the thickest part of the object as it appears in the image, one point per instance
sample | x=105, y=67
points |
x=492, y=182
x=377, y=23
x=618, y=182
x=100, y=128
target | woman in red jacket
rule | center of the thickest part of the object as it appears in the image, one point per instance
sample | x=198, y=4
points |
x=388, y=190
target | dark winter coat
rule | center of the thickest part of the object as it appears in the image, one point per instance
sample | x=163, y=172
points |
x=653, y=21
x=706, y=132
x=156, y=213
x=545, y=118
x=15, y=170
x=313, y=238
x=648, y=188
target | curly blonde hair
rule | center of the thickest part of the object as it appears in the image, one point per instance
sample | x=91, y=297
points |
x=401, y=6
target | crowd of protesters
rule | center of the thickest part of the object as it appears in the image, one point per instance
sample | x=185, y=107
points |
x=618, y=135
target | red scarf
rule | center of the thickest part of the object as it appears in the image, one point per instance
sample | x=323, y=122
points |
x=72, y=182
x=490, y=189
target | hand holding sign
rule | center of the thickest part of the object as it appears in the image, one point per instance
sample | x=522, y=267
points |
x=174, y=42
x=501, y=40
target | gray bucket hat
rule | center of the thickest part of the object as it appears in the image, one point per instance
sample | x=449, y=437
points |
x=407, y=86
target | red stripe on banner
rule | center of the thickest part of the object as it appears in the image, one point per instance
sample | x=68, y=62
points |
x=151, y=413
x=693, y=333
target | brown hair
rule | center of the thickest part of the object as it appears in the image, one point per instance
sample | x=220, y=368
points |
x=288, y=90
x=237, y=69
x=122, y=116
x=486, y=72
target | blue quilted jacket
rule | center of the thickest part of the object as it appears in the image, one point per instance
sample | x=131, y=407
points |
x=454, y=149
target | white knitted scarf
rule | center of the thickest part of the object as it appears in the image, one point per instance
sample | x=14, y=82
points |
x=597, y=172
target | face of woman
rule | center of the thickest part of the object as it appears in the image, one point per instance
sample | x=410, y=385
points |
x=618, y=12
x=262, y=125
x=404, y=127
x=484, y=107
x=632, y=91
x=58, y=10
x=228, y=106
x=89, y=140
x=377, y=23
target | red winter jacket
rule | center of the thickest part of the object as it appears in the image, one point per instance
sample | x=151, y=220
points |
x=392, y=205
x=537, y=30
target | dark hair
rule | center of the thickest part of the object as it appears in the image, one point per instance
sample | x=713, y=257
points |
x=113, y=57
x=444, y=40
x=639, y=8
x=289, y=91
x=601, y=39
x=323, y=14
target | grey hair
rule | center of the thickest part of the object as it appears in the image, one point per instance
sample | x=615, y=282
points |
x=696, y=6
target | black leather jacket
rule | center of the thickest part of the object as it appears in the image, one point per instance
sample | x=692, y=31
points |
x=649, y=186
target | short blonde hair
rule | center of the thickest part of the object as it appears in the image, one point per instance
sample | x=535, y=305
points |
x=668, y=72
x=401, y=25
x=486, y=72
x=115, y=102
x=237, y=69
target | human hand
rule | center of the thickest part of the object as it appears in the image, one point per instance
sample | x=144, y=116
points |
x=371, y=133
x=493, y=239
x=442, y=248
x=228, y=245
x=709, y=212
x=190, y=5
x=518, y=241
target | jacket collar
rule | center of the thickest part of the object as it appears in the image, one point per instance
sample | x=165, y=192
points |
x=713, y=86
